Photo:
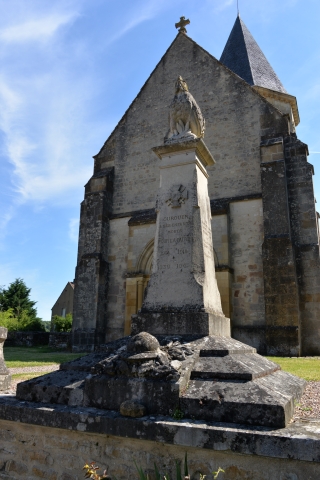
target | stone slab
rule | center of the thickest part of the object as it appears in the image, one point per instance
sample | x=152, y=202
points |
x=299, y=441
x=62, y=387
x=108, y=393
x=213, y=346
x=241, y=366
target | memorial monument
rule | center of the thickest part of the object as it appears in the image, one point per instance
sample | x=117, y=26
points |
x=180, y=356
x=182, y=296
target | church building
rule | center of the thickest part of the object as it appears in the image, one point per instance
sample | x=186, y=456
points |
x=264, y=223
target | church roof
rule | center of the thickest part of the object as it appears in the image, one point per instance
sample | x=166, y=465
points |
x=244, y=57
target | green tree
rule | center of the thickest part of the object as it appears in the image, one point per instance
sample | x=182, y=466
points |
x=17, y=311
x=17, y=297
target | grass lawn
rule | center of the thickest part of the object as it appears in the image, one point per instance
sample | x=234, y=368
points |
x=36, y=356
x=304, y=367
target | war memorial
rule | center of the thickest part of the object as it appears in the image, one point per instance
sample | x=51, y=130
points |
x=179, y=382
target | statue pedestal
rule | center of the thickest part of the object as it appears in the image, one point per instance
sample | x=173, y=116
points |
x=182, y=296
x=5, y=377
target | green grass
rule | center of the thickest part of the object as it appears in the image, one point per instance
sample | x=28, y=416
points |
x=304, y=367
x=36, y=356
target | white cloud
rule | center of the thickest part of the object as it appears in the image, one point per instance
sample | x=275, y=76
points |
x=5, y=218
x=74, y=229
x=36, y=29
x=142, y=11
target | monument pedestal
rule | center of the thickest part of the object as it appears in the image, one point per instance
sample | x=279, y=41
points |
x=182, y=295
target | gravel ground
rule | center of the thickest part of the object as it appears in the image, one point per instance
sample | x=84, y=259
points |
x=308, y=407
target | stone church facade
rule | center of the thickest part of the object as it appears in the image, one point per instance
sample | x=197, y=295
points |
x=264, y=222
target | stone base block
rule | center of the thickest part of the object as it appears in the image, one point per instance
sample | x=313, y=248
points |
x=180, y=323
x=108, y=393
x=5, y=382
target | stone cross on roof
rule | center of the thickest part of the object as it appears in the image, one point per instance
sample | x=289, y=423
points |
x=181, y=25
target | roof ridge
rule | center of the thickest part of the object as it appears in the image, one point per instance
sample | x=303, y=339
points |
x=244, y=39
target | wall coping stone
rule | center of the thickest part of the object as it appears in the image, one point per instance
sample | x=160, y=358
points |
x=299, y=441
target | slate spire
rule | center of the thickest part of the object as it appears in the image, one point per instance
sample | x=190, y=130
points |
x=244, y=57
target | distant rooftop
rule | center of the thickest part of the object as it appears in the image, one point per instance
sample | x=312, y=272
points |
x=244, y=57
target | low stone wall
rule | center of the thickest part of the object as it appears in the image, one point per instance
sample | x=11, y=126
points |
x=60, y=340
x=27, y=339
x=54, y=442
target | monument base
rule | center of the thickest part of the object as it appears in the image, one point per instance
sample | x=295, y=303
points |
x=181, y=323
x=212, y=378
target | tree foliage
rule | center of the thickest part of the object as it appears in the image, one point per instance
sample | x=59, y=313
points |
x=17, y=297
x=17, y=310
x=62, y=324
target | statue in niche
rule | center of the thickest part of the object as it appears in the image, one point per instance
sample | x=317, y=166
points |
x=185, y=117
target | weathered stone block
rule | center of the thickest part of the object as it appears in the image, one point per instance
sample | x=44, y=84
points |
x=181, y=323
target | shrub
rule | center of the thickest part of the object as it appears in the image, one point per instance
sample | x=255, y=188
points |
x=62, y=324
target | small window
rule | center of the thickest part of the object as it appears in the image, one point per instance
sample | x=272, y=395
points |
x=63, y=313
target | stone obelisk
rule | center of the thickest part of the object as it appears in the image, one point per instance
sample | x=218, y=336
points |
x=182, y=296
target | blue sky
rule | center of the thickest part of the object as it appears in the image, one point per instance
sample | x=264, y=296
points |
x=68, y=71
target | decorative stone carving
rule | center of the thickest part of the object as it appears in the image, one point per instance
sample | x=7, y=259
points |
x=177, y=196
x=185, y=117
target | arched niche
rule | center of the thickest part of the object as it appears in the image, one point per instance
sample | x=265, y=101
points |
x=136, y=283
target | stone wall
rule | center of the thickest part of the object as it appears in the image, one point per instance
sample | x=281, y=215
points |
x=60, y=340
x=27, y=339
x=31, y=451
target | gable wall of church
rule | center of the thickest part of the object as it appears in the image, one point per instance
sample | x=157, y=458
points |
x=232, y=111
x=236, y=118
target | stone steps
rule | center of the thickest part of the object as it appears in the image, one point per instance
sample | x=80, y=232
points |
x=230, y=382
x=267, y=401
x=242, y=366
